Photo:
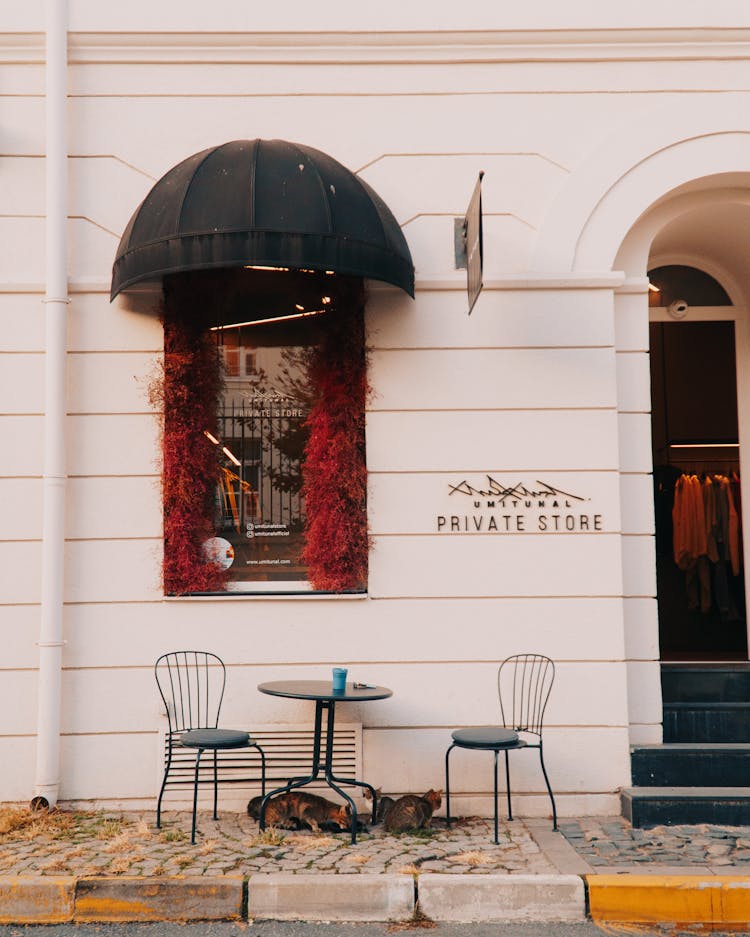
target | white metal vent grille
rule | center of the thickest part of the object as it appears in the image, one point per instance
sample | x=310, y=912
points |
x=288, y=750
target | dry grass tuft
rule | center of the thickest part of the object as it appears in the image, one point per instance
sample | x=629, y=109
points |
x=59, y=864
x=207, y=847
x=470, y=858
x=7, y=858
x=408, y=870
x=418, y=921
x=143, y=830
x=119, y=843
x=119, y=865
x=306, y=843
x=21, y=823
x=269, y=837
x=107, y=828
x=358, y=860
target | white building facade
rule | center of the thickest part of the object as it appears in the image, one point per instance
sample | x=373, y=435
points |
x=614, y=142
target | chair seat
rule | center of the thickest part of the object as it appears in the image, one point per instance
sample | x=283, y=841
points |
x=215, y=738
x=489, y=737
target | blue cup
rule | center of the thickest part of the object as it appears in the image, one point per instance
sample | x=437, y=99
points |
x=339, y=679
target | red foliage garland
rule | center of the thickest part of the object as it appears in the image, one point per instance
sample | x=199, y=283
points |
x=334, y=470
x=192, y=384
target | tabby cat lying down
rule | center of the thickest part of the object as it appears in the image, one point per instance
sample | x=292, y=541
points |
x=297, y=810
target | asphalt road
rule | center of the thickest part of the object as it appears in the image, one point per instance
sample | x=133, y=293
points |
x=300, y=929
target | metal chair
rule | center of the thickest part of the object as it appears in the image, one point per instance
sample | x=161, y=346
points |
x=524, y=682
x=191, y=684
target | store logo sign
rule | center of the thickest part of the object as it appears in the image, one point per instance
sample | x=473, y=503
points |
x=493, y=506
x=271, y=404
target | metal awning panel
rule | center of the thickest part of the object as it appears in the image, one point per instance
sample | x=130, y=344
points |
x=262, y=203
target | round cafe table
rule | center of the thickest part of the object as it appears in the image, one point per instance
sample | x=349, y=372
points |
x=325, y=698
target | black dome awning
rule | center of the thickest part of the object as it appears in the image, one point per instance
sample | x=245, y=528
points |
x=262, y=203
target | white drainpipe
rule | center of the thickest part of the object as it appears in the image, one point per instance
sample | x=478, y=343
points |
x=56, y=300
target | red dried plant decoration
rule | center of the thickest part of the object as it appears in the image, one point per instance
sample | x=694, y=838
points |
x=192, y=384
x=334, y=470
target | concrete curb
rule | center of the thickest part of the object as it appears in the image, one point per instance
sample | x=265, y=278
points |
x=678, y=899
x=33, y=899
x=128, y=899
x=284, y=896
x=625, y=898
x=280, y=896
x=497, y=897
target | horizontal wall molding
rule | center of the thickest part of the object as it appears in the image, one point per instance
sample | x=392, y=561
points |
x=564, y=281
x=393, y=47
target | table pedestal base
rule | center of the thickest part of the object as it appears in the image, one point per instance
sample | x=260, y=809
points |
x=328, y=776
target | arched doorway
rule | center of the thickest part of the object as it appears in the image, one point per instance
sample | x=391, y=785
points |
x=691, y=243
x=697, y=679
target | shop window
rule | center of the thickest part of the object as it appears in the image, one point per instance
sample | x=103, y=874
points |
x=262, y=433
x=264, y=459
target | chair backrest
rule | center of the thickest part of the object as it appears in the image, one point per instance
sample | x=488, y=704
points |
x=524, y=682
x=191, y=684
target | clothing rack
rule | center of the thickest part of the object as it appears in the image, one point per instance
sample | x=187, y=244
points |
x=689, y=457
x=713, y=465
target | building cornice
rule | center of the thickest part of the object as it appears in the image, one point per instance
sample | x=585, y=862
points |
x=397, y=47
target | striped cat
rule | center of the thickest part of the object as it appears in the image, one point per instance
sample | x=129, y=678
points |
x=296, y=810
x=412, y=812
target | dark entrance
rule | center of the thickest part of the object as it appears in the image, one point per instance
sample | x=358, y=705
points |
x=700, y=581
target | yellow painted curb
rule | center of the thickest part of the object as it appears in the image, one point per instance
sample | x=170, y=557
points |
x=137, y=898
x=36, y=899
x=680, y=899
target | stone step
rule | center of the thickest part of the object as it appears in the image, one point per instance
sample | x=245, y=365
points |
x=706, y=722
x=654, y=806
x=706, y=683
x=691, y=764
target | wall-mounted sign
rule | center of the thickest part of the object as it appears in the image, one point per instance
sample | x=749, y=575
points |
x=492, y=505
x=474, y=244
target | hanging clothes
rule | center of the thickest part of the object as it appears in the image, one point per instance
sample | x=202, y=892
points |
x=688, y=521
x=706, y=541
x=711, y=517
x=733, y=528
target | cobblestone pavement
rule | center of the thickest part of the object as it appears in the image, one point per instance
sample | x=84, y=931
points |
x=611, y=843
x=128, y=843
